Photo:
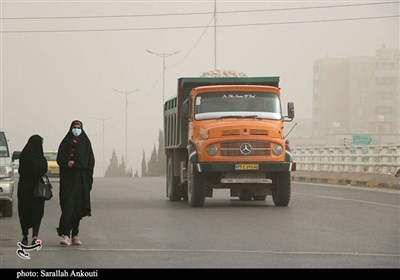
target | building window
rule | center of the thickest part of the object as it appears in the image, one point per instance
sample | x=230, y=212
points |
x=384, y=66
x=384, y=81
x=385, y=95
x=384, y=113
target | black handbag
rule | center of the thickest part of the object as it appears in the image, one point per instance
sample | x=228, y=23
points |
x=43, y=189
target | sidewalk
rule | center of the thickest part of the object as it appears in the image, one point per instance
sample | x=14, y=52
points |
x=347, y=178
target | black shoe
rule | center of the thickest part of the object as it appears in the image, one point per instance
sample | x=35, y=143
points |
x=33, y=241
x=24, y=240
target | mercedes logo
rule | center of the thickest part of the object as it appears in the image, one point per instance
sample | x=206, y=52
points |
x=245, y=149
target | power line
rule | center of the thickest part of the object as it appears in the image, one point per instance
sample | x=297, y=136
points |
x=150, y=91
x=195, y=44
x=199, y=13
x=196, y=26
x=308, y=7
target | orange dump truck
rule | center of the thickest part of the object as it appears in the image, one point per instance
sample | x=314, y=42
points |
x=227, y=132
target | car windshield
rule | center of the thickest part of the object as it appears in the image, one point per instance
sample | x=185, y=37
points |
x=213, y=105
x=3, y=146
x=50, y=156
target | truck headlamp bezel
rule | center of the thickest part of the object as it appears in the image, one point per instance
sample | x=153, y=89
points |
x=212, y=150
x=277, y=150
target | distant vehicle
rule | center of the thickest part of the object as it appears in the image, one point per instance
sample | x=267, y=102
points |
x=6, y=177
x=15, y=162
x=53, y=169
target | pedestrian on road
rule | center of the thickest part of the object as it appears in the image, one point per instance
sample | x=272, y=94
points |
x=32, y=167
x=76, y=160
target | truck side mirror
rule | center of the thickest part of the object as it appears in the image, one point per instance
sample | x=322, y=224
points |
x=290, y=109
x=15, y=155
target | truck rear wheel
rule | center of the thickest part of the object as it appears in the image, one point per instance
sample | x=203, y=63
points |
x=281, y=190
x=7, y=208
x=195, y=187
x=174, y=190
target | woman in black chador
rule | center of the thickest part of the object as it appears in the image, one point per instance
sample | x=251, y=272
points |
x=76, y=160
x=32, y=167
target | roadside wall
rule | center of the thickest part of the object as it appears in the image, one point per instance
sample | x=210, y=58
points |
x=348, y=178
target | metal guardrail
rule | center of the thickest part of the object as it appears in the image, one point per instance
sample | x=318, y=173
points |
x=359, y=159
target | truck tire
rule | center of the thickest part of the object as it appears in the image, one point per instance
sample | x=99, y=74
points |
x=196, y=189
x=174, y=190
x=7, y=208
x=185, y=191
x=281, y=190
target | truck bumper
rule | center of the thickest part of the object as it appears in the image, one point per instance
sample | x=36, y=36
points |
x=234, y=167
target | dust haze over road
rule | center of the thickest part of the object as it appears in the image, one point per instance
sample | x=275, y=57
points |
x=62, y=61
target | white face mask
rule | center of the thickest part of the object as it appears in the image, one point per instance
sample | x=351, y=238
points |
x=76, y=132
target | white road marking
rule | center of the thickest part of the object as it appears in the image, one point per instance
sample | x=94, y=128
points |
x=356, y=200
x=348, y=187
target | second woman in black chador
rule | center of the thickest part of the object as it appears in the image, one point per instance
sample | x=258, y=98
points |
x=76, y=160
x=32, y=166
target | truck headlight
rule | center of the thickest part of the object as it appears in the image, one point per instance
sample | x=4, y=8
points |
x=211, y=150
x=277, y=150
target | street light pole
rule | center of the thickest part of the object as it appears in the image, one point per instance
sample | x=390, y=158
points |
x=103, y=119
x=163, y=56
x=126, y=93
x=215, y=34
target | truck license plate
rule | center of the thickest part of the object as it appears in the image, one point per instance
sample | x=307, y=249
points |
x=247, y=166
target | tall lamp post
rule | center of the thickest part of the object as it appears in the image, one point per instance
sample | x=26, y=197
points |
x=126, y=93
x=163, y=56
x=103, y=119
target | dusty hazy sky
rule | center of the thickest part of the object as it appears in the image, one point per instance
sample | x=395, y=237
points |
x=50, y=78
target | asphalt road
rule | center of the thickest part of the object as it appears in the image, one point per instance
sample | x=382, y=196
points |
x=135, y=226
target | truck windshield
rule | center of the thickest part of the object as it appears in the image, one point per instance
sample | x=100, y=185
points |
x=212, y=105
x=3, y=145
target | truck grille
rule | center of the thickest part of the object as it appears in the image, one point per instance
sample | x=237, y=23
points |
x=245, y=149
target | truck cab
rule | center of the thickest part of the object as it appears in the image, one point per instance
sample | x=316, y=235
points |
x=233, y=138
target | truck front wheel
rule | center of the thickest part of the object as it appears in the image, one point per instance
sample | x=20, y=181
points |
x=281, y=189
x=195, y=187
x=174, y=190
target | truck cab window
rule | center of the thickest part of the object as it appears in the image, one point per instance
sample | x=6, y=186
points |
x=211, y=105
